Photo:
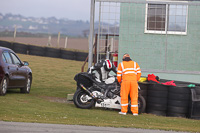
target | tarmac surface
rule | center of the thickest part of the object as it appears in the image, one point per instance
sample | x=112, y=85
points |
x=20, y=127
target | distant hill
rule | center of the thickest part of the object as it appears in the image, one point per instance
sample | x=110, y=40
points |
x=52, y=25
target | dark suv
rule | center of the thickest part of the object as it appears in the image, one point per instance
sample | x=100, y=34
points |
x=13, y=72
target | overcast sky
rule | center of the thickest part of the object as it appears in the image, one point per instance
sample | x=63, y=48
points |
x=71, y=9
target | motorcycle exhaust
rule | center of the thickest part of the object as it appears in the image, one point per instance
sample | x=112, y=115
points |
x=88, y=91
x=93, y=96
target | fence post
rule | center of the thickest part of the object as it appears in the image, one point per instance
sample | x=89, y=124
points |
x=112, y=44
x=49, y=41
x=15, y=33
x=58, y=39
x=66, y=42
x=92, y=13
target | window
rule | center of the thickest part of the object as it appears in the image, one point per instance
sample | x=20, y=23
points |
x=7, y=57
x=156, y=17
x=177, y=18
x=166, y=18
x=4, y=58
x=15, y=59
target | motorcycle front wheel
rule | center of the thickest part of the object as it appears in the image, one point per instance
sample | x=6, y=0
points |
x=83, y=100
x=141, y=104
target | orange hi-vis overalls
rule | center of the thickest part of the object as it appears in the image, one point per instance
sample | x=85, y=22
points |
x=128, y=74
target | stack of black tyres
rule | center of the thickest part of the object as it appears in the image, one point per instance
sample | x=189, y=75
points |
x=197, y=107
x=157, y=99
x=20, y=48
x=6, y=44
x=52, y=52
x=80, y=56
x=36, y=50
x=143, y=90
x=194, y=111
x=68, y=54
x=178, y=101
x=197, y=89
x=45, y=51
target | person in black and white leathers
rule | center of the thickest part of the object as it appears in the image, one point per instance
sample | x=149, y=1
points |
x=103, y=69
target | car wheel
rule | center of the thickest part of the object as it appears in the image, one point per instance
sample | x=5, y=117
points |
x=27, y=88
x=4, y=86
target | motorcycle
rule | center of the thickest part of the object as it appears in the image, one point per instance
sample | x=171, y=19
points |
x=91, y=92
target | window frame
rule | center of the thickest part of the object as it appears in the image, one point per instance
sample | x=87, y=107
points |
x=4, y=58
x=167, y=3
x=7, y=52
x=13, y=54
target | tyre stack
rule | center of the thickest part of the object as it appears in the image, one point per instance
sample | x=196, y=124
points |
x=6, y=44
x=197, y=89
x=20, y=48
x=68, y=54
x=52, y=52
x=143, y=90
x=157, y=99
x=194, y=112
x=80, y=56
x=36, y=50
x=178, y=101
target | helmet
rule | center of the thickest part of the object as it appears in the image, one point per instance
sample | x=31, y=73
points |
x=107, y=65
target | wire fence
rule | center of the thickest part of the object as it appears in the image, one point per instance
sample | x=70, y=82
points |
x=162, y=36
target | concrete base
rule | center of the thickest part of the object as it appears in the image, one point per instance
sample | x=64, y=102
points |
x=70, y=97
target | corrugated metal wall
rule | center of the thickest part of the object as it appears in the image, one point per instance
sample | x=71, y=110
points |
x=170, y=55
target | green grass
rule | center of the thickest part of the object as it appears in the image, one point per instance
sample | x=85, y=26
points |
x=52, y=81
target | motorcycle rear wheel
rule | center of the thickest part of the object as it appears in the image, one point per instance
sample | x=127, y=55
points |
x=83, y=100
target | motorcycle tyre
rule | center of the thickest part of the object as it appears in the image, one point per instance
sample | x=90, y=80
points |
x=141, y=105
x=76, y=100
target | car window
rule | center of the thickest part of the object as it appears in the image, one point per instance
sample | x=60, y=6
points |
x=4, y=58
x=16, y=61
x=7, y=57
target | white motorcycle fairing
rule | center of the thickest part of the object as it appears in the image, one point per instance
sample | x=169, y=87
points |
x=110, y=103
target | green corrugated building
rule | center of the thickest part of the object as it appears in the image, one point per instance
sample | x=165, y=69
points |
x=163, y=37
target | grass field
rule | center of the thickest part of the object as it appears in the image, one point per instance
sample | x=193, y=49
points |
x=46, y=103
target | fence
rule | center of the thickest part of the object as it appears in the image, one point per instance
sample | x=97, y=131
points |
x=162, y=36
x=44, y=51
x=70, y=43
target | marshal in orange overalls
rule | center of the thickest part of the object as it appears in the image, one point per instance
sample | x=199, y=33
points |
x=128, y=74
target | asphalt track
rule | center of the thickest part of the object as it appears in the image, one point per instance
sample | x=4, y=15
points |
x=20, y=127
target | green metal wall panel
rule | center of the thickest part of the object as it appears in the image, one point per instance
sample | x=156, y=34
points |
x=150, y=50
